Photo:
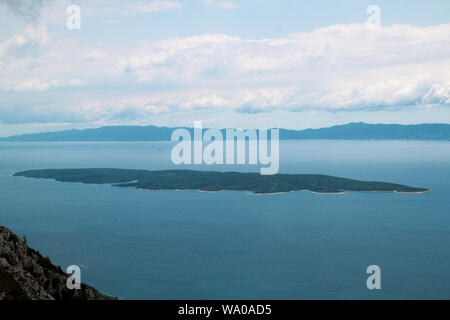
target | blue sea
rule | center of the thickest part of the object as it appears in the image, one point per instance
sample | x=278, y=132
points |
x=138, y=244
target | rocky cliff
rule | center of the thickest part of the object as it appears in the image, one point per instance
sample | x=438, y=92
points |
x=26, y=275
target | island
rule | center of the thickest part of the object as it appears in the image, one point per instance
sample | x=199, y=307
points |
x=213, y=181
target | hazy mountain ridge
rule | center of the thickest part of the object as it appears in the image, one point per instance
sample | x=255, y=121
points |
x=351, y=131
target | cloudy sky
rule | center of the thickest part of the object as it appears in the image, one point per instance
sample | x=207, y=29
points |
x=249, y=63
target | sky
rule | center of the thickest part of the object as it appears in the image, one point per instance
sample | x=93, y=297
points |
x=241, y=64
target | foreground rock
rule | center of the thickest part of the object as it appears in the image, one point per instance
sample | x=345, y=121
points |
x=26, y=275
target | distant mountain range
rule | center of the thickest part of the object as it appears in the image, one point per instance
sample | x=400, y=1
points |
x=351, y=131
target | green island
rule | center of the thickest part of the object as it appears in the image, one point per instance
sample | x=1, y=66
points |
x=212, y=181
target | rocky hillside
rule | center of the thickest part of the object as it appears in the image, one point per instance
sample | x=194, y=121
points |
x=26, y=275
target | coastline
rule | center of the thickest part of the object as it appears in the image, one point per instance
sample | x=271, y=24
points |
x=252, y=193
x=342, y=192
x=417, y=192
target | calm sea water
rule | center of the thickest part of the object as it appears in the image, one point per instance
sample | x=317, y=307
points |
x=138, y=244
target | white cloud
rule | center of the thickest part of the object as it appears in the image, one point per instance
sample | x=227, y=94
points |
x=438, y=94
x=221, y=4
x=76, y=82
x=94, y=55
x=337, y=68
x=33, y=84
x=157, y=6
x=31, y=39
x=339, y=47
